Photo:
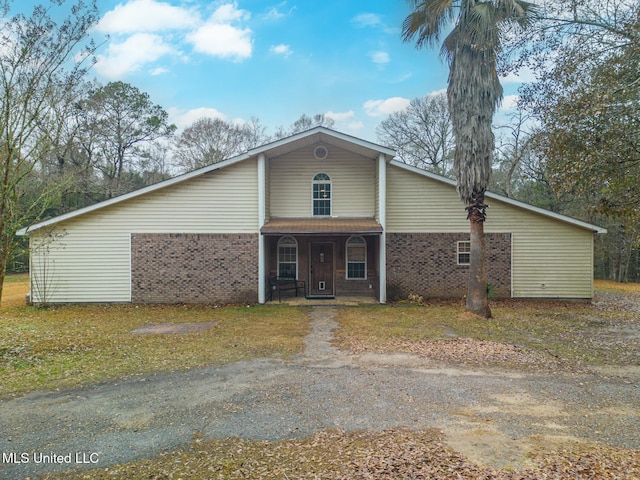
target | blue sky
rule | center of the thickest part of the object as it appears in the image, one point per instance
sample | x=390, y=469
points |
x=273, y=60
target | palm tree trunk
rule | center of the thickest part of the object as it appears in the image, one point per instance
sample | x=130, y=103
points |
x=477, y=300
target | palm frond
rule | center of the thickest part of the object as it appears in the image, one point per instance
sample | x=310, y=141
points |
x=428, y=21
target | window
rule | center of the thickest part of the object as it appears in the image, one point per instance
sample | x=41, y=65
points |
x=321, y=195
x=464, y=253
x=287, y=258
x=356, y=258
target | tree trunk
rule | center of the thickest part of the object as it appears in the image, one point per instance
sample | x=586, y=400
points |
x=477, y=301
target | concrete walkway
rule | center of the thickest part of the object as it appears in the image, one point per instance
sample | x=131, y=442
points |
x=490, y=416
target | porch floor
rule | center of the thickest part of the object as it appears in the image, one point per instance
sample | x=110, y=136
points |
x=337, y=301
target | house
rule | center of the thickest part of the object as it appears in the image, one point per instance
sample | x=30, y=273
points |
x=334, y=211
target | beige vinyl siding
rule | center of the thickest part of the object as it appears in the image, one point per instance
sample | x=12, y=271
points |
x=550, y=258
x=267, y=192
x=352, y=180
x=91, y=262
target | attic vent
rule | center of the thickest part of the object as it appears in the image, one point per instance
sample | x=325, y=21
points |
x=320, y=152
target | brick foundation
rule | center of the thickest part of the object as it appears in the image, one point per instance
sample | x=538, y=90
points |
x=426, y=264
x=194, y=268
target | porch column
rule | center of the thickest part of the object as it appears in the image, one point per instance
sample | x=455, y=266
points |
x=262, y=170
x=382, y=214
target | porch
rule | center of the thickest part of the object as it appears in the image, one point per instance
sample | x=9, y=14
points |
x=338, y=259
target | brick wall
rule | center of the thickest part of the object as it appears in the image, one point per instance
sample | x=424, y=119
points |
x=426, y=264
x=194, y=268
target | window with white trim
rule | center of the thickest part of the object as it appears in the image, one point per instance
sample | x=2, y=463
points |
x=356, y=251
x=287, y=258
x=321, y=188
x=464, y=253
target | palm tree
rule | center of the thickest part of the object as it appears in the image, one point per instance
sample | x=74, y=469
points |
x=473, y=43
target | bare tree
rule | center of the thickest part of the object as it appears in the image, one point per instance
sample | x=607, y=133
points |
x=211, y=140
x=421, y=134
x=305, y=122
x=512, y=151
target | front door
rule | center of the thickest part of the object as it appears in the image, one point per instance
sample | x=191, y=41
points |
x=321, y=269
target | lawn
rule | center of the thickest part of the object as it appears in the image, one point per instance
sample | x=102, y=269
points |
x=71, y=345
x=542, y=334
x=59, y=347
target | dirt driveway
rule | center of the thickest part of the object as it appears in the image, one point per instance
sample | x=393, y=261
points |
x=491, y=416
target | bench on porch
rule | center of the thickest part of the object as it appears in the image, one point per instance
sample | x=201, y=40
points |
x=285, y=285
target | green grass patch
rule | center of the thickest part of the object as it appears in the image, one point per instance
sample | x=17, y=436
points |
x=59, y=347
x=17, y=278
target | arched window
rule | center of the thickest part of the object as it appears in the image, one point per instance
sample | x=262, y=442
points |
x=356, y=258
x=287, y=258
x=321, y=188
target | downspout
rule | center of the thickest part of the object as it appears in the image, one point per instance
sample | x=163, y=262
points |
x=382, y=218
x=261, y=219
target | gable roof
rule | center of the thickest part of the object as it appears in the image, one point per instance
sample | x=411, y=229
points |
x=282, y=146
x=273, y=149
x=507, y=200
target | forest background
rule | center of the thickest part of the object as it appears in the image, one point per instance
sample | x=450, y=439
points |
x=572, y=147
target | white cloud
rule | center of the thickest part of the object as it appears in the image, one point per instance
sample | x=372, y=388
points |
x=381, y=58
x=227, y=13
x=525, y=75
x=339, y=116
x=378, y=108
x=509, y=102
x=281, y=49
x=355, y=126
x=158, y=71
x=439, y=92
x=275, y=13
x=129, y=55
x=146, y=16
x=373, y=20
x=219, y=38
x=183, y=119
x=363, y=20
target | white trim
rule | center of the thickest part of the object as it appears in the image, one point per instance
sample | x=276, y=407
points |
x=320, y=157
x=278, y=253
x=318, y=182
x=331, y=133
x=510, y=201
x=458, y=252
x=262, y=170
x=382, y=219
x=346, y=258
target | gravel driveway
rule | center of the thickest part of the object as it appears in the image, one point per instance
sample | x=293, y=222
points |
x=488, y=415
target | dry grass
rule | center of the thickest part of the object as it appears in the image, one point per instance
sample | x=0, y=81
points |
x=390, y=454
x=14, y=290
x=522, y=333
x=44, y=348
x=608, y=285
x=69, y=345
